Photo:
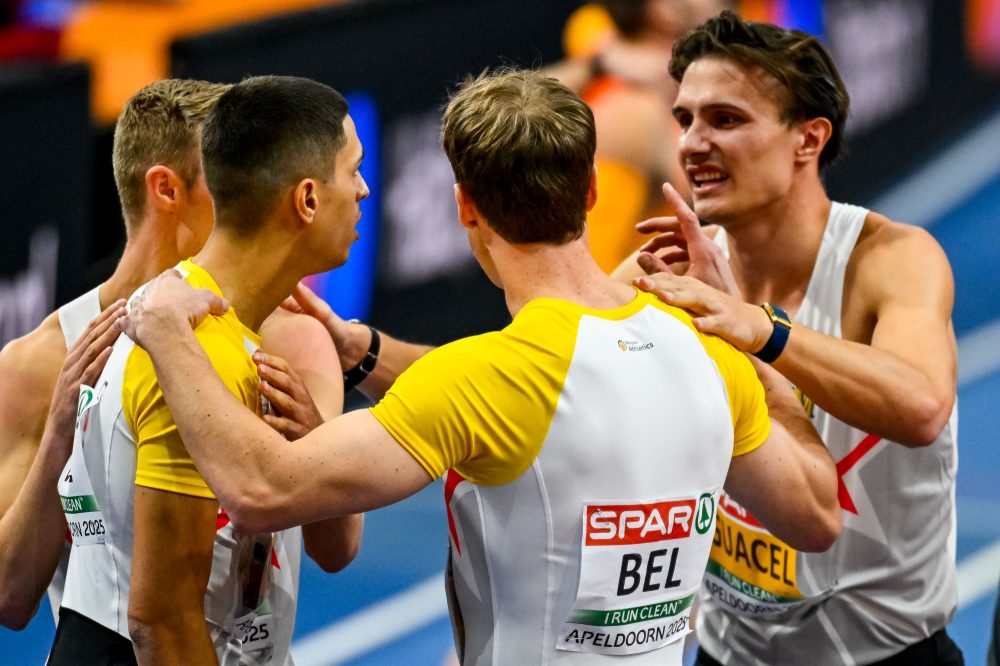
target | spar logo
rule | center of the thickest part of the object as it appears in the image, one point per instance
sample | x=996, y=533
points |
x=629, y=524
x=634, y=345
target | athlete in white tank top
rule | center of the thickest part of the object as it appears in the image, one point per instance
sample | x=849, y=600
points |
x=250, y=600
x=73, y=320
x=885, y=582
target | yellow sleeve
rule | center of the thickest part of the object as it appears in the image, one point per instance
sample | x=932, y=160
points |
x=751, y=424
x=481, y=406
x=162, y=460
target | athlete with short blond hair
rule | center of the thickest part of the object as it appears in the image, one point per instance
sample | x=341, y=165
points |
x=585, y=444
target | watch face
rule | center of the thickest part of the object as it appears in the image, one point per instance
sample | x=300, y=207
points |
x=777, y=315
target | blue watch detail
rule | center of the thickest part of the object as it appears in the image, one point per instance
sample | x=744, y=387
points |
x=779, y=335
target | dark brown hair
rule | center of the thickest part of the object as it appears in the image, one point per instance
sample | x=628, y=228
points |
x=812, y=86
x=265, y=134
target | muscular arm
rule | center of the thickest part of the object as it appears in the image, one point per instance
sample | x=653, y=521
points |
x=29, y=367
x=895, y=374
x=902, y=384
x=789, y=483
x=33, y=526
x=33, y=530
x=171, y=565
x=347, y=465
x=353, y=340
x=307, y=348
x=33, y=533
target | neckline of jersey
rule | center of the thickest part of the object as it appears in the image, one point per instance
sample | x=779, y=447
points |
x=640, y=300
x=206, y=277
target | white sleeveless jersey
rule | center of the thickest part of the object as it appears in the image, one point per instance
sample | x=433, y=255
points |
x=101, y=524
x=73, y=320
x=889, y=579
x=585, y=452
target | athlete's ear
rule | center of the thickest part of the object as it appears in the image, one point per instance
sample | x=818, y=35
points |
x=592, y=190
x=305, y=200
x=815, y=134
x=163, y=188
x=468, y=214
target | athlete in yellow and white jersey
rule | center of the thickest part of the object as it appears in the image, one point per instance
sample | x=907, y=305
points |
x=128, y=439
x=562, y=514
x=595, y=431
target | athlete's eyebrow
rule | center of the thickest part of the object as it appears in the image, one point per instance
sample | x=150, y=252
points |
x=717, y=106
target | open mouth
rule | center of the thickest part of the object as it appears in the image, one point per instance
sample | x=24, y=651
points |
x=708, y=177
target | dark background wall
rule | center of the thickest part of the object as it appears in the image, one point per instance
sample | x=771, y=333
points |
x=46, y=190
x=913, y=83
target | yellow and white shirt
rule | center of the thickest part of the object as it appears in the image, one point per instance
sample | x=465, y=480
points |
x=126, y=437
x=585, y=452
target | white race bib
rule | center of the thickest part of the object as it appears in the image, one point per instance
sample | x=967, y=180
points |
x=640, y=569
x=83, y=513
x=260, y=635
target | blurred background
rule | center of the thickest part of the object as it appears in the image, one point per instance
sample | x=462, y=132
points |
x=924, y=147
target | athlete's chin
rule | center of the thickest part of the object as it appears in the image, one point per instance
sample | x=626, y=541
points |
x=708, y=209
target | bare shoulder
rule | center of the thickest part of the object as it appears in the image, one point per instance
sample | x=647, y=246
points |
x=29, y=369
x=882, y=234
x=891, y=257
x=295, y=336
x=284, y=327
x=32, y=362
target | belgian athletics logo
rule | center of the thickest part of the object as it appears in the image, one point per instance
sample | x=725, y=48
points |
x=634, y=346
x=705, y=513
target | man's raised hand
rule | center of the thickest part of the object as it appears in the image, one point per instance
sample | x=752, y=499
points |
x=84, y=363
x=681, y=239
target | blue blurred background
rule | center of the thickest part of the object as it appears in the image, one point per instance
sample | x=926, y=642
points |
x=924, y=140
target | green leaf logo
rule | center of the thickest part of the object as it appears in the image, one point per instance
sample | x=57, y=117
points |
x=706, y=513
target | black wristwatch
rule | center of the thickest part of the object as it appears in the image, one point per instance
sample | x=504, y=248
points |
x=782, y=325
x=357, y=374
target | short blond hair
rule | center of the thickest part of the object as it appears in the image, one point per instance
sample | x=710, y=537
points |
x=160, y=124
x=522, y=147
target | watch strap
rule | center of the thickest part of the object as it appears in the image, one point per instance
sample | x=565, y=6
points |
x=358, y=373
x=781, y=327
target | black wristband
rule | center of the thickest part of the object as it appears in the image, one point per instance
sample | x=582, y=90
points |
x=357, y=374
